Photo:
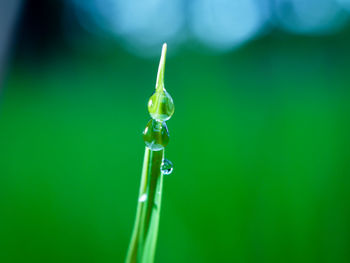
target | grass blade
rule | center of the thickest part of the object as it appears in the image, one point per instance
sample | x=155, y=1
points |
x=144, y=238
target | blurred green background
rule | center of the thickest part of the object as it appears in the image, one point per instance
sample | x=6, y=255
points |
x=259, y=141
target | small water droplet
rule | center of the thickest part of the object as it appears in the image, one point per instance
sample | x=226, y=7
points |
x=143, y=198
x=156, y=135
x=166, y=167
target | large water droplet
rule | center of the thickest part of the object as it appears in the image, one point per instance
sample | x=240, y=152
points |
x=156, y=135
x=166, y=167
x=161, y=105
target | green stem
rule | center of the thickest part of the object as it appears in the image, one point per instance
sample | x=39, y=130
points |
x=144, y=239
x=161, y=69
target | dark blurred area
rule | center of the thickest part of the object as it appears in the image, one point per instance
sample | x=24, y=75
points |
x=259, y=139
x=39, y=28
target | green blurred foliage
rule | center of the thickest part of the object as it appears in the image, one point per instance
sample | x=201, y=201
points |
x=259, y=141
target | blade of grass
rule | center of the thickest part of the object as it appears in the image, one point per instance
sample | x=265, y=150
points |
x=144, y=238
x=143, y=243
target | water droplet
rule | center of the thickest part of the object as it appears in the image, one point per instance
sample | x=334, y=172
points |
x=161, y=105
x=156, y=135
x=166, y=167
x=143, y=198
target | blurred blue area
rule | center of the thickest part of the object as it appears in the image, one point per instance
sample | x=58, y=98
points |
x=221, y=25
x=7, y=23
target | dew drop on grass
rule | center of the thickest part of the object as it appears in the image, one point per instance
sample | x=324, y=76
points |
x=156, y=135
x=166, y=167
x=161, y=105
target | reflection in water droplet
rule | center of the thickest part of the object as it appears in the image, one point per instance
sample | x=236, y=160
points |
x=156, y=135
x=161, y=105
x=167, y=167
x=143, y=198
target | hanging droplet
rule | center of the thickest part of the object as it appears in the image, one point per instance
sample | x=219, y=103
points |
x=166, y=167
x=156, y=135
x=161, y=105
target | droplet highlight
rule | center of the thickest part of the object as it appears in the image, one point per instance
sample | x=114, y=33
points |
x=143, y=198
x=167, y=167
x=156, y=135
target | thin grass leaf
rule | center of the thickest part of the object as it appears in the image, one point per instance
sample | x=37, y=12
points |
x=144, y=238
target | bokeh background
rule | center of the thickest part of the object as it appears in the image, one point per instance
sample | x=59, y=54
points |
x=260, y=138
